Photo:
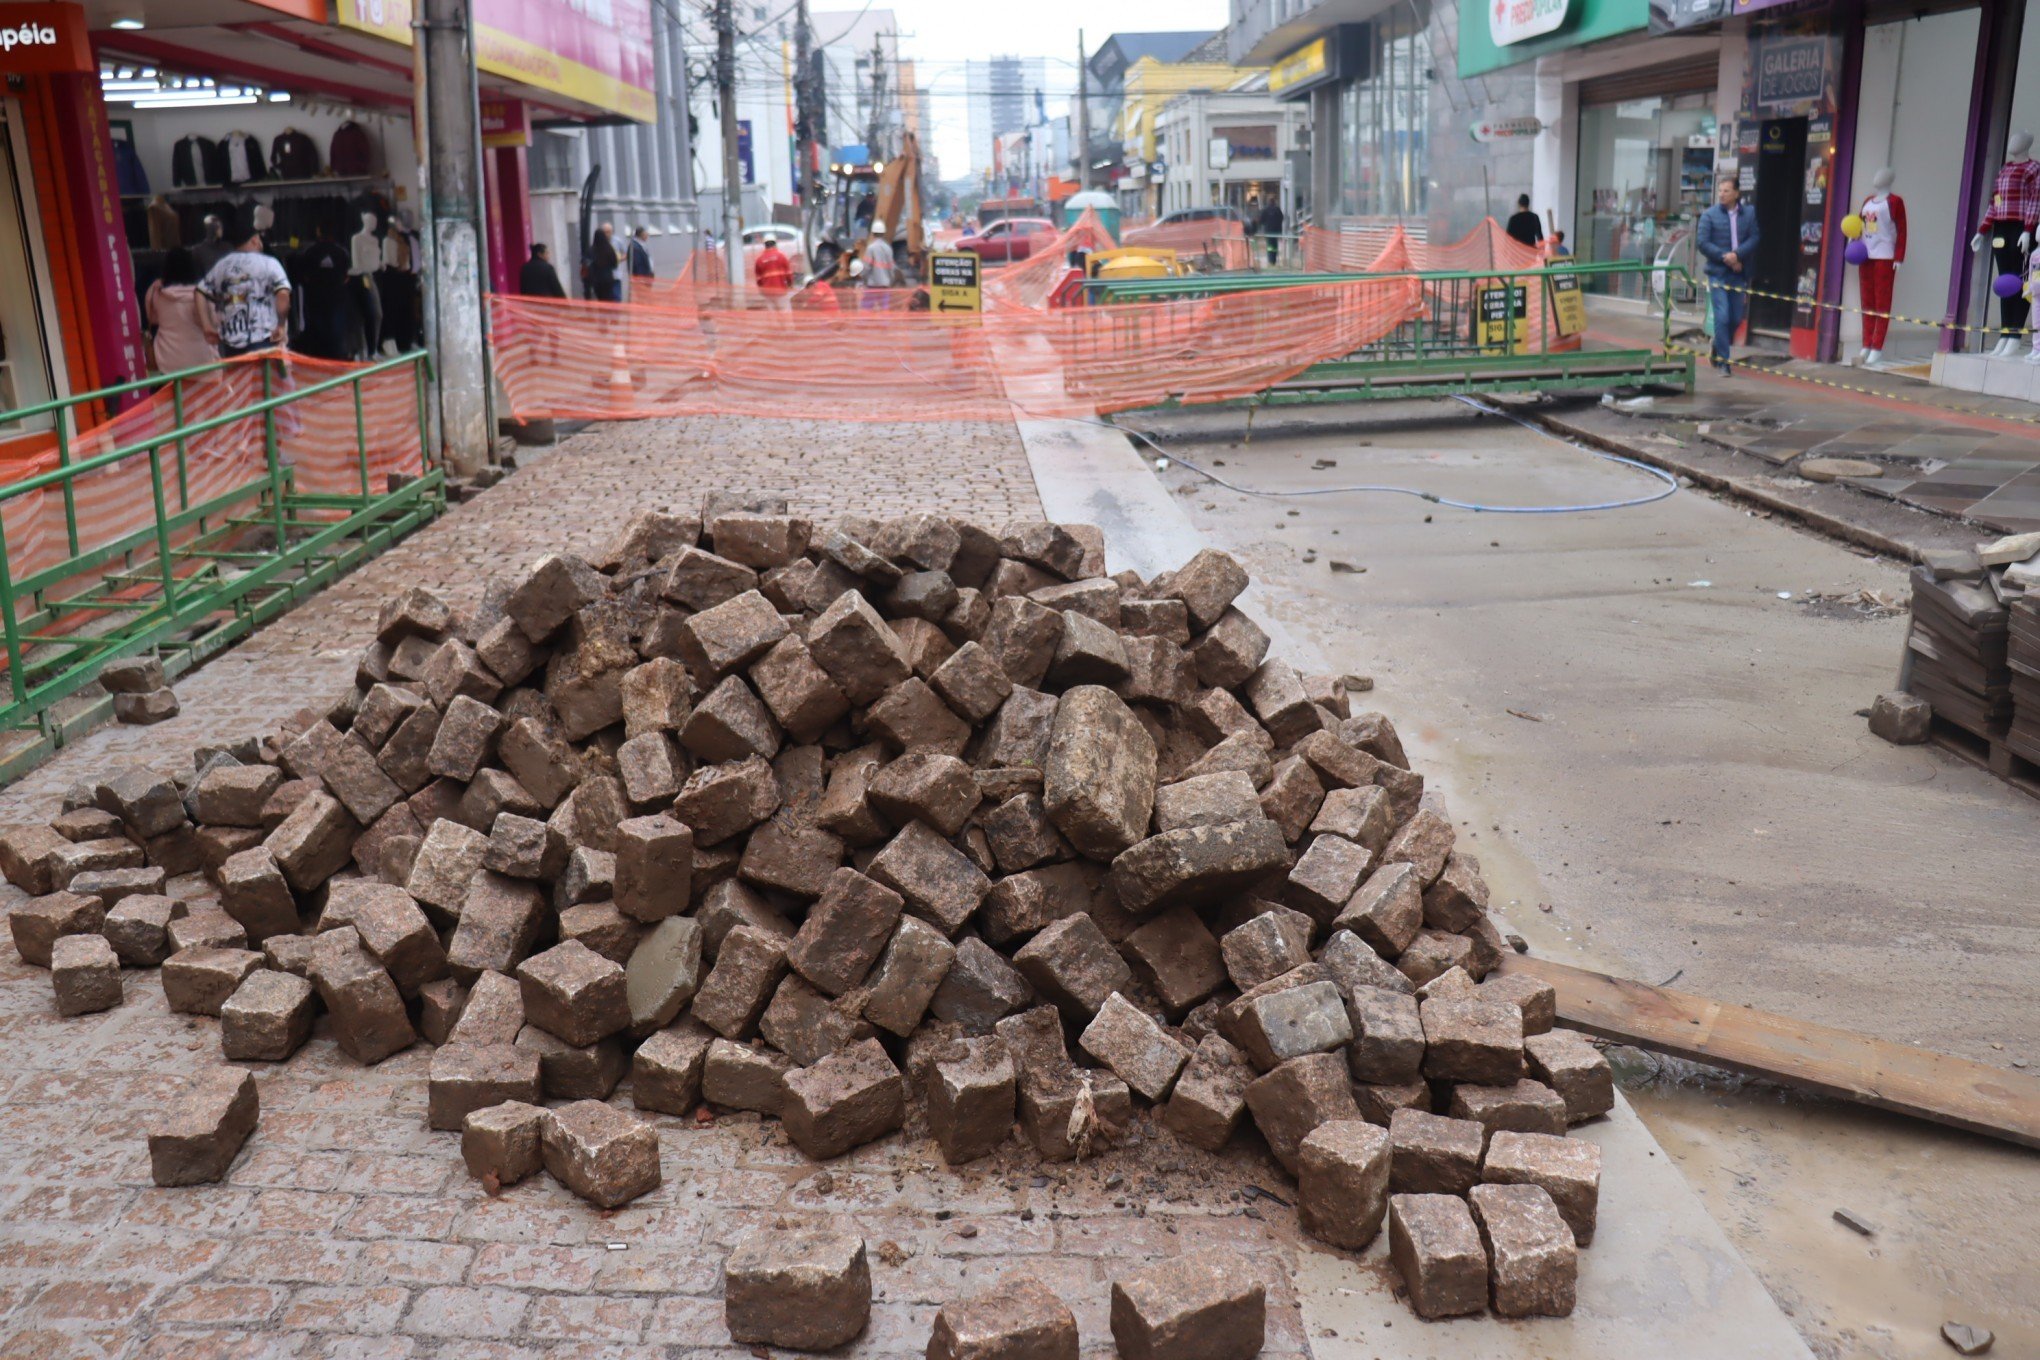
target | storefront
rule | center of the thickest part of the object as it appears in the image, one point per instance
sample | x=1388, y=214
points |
x=1645, y=169
x=118, y=146
x=69, y=318
x=1366, y=85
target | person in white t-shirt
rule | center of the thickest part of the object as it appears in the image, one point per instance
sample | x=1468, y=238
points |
x=250, y=294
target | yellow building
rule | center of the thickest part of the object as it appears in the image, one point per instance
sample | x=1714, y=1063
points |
x=1148, y=85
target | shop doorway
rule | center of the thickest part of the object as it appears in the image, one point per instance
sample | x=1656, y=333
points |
x=1781, y=189
x=28, y=359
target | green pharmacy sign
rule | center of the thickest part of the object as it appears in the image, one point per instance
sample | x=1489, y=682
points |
x=1498, y=33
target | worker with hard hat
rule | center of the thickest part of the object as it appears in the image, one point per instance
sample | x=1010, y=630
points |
x=880, y=272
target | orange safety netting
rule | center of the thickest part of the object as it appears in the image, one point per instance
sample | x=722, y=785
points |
x=1379, y=246
x=602, y=361
x=315, y=436
x=856, y=354
x=1218, y=237
x=1028, y=284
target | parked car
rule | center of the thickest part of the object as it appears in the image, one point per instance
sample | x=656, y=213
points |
x=1206, y=215
x=1012, y=239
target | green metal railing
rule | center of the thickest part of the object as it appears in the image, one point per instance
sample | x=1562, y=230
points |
x=1444, y=350
x=202, y=574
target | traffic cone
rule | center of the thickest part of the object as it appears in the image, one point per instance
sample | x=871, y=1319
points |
x=622, y=392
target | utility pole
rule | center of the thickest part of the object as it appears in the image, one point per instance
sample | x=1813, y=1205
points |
x=726, y=114
x=804, y=110
x=877, y=101
x=450, y=174
x=1083, y=117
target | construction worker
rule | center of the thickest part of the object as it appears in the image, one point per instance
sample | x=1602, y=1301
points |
x=773, y=273
x=880, y=273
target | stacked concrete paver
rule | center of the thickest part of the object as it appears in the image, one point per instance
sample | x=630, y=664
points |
x=1075, y=846
x=349, y=1228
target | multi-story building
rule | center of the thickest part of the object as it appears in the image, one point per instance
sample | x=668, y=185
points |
x=647, y=170
x=1146, y=87
x=1002, y=100
x=1105, y=84
x=1229, y=147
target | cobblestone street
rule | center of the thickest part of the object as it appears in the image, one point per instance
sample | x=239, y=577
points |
x=349, y=1229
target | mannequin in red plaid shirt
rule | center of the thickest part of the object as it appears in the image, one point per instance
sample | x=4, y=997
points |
x=2007, y=227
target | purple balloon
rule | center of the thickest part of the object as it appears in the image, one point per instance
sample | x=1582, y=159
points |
x=2006, y=285
x=1856, y=253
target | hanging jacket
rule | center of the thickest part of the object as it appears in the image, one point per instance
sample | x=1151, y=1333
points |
x=128, y=174
x=351, y=152
x=244, y=158
x=195, y=160
x=293, y=155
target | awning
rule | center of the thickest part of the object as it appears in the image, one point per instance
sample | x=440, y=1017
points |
x=545, y=54
x=1309, y=23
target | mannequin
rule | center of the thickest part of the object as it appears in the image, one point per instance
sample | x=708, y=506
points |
x=366, y=249
x=1883, y=215
x=2033, y=295
x=397, y=281
x=2008, y=223
x=209, y=250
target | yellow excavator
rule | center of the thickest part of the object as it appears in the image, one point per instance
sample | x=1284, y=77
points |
x=895, y=186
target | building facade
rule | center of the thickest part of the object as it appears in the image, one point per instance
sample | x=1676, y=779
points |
x=131, y=126
x=1229, y=148
x=1003, y=97
x=1617, y=117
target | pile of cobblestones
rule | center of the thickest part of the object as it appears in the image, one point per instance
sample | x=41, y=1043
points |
x=814, y=820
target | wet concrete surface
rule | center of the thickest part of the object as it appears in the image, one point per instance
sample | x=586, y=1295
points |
x=1649, y=737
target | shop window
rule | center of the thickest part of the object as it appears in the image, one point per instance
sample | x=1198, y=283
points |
x=551, y=161
x=1646, y=173
x=1382, y=166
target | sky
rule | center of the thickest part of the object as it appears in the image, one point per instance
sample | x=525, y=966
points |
x=940, y=35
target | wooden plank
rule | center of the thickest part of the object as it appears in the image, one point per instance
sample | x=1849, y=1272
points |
x=1911, y=1081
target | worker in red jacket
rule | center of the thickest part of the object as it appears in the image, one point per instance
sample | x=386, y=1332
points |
x=773, y=274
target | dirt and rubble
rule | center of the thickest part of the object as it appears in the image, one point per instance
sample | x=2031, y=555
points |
x=826, y=821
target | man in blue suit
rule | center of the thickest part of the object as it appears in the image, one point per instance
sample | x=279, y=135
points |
x=1727, y=238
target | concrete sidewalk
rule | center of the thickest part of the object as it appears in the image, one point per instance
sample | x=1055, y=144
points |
x=1951, y=453
x=1661, y=1279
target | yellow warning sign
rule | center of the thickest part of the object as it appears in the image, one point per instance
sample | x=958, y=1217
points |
x=955, y=282
x=1498, y=319
x=1568, y=305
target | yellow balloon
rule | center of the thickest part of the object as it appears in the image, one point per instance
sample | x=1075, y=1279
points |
x=1852, y=226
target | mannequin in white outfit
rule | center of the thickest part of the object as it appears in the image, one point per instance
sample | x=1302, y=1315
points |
x=366, y=252
x=1883, y=214
x=2007, y=227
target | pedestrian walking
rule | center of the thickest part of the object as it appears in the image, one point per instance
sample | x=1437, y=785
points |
x=181, y=331
x=599, y=271
x=537, y=277
x=1523, y=224
x=1726, y=238
x=1272, y=222
x=250, y=293
x=641, y=254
